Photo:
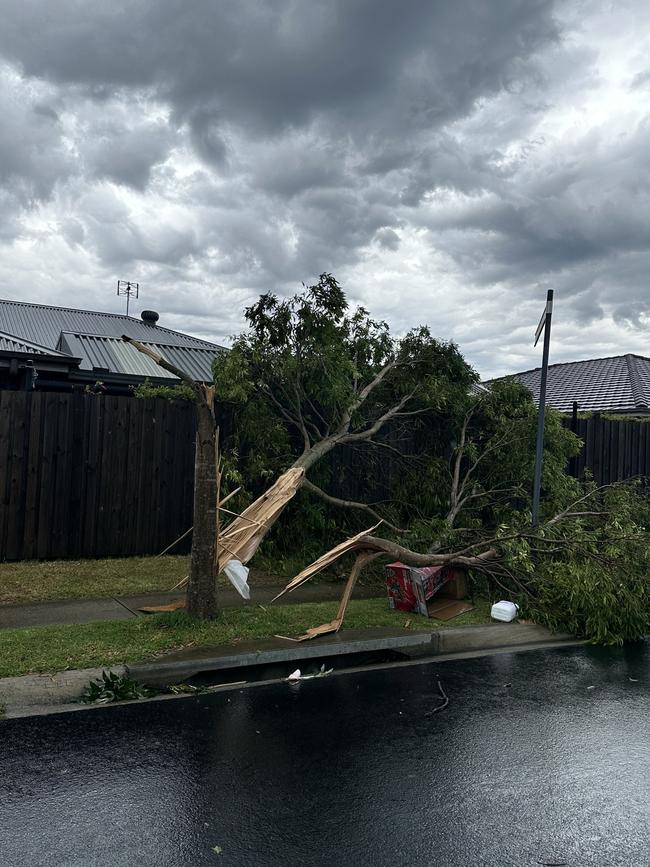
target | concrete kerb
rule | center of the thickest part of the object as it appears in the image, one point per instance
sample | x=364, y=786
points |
x=37, y=694
x=49, y=690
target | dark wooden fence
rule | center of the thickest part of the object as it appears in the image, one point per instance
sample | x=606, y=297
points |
x=84, y=475
x=90, y=476
x=614, y=449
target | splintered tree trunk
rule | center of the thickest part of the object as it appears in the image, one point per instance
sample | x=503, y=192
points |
x=202, y=584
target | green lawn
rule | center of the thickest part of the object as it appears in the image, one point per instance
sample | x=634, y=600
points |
x=43, y=580
x=56, y=648
x=40, y=580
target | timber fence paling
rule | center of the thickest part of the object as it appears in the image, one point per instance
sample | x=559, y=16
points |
x=614, y=449
x=85, y=475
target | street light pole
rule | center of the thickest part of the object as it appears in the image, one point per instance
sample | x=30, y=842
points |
x=544, y=325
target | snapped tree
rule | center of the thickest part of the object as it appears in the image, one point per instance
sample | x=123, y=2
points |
x=201, y=594
x=307, y=376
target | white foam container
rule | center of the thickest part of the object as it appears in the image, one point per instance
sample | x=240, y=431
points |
x=505, y=611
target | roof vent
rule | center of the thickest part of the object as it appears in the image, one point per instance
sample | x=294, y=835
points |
x=149, y=317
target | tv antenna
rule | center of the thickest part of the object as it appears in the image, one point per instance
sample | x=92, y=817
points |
x=128, y=288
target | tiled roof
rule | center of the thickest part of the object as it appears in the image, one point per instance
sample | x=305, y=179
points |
x=95, y=338
x=43, y=324
x=11, y=343
x=617, y=384
x=117, y=356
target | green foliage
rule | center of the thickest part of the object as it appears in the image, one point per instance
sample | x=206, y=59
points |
x=503, y=434
x=298, y=371
x=497, y=460
x=181, y=391
x=113, y=687
x=588, y=574
x=585, y=599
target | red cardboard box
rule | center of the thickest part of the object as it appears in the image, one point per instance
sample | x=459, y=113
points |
x=410, y=589
x=426, y=582
x=401, y=592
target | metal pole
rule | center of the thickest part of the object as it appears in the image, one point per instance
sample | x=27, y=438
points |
x=539, y=448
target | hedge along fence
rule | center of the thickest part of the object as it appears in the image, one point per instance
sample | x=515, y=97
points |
x=85, y=475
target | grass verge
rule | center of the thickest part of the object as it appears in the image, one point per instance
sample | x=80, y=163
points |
x=47, y=580
x=56, y=648
x=43, y=580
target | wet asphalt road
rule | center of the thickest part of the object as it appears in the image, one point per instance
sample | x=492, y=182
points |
x=540, y=758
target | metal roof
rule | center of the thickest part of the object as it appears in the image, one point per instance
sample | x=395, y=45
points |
x=98, y=352
x=43, y=323
x=11, y=343
x=617, y=384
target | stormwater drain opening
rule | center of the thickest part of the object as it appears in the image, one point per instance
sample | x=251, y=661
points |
x=281, y=670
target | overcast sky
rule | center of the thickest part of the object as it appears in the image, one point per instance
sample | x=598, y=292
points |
x=448, y=162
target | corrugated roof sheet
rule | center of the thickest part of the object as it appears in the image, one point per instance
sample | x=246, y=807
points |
x=111, y=353
x=11, y=343
x=617, y=384
x=43, y=324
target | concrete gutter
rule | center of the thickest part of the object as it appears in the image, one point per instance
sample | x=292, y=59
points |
x=37, y=694
x=47, y=691
x=178, y=667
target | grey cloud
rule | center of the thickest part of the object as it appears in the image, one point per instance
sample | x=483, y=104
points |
x=641, y=80
x=294, y=164
x=268, y=67
x=119, y=238
x=315, y=96
x=126, y=155
x=387, y=238
x=46, y=111
x=207, y=147
x=73, y=231
x=33, y=153
x=568, y=218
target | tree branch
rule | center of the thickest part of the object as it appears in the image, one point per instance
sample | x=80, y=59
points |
x=347, y=504
x=393, y=449
x=301, y=422
x=358, y=436
x=456, y=490
x=344, y=427
x=162, y=362
x=569, y=509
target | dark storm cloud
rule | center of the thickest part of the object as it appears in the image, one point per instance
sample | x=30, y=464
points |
x=126, y=154
x=120, y=239
x=270, y=65
x=248, y=146
x=303, y=104
x=33, y=153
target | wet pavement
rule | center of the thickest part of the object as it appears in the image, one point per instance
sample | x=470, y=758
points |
x=540, y=758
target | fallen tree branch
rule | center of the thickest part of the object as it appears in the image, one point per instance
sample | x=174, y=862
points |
x=374, y=544
x=347, y=504
x=162, y=362
x=440, y=706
